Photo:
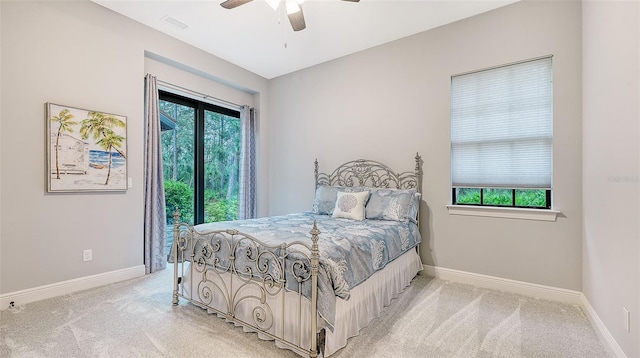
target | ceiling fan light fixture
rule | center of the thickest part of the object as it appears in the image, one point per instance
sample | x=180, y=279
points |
x=274, y=4
x=292, y=7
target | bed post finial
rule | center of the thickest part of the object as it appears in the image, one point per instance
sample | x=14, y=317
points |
x=418, y=171
x=315, y=258
x=315, y=172
x=314, y=236
x=176, y=217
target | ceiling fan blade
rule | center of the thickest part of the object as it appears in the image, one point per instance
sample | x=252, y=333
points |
x=352, y=0
x=297, y=20
x=230, y=4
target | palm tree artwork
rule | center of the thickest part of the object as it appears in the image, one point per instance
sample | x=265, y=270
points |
x=86, y=150
x=65, y=125
x=110, y=141
x=100, y=126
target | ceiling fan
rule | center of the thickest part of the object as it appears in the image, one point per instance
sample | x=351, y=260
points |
x=294, y=10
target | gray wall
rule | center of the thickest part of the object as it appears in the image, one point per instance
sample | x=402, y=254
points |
x=611, y=155
x=389, y=102
x=79, y=54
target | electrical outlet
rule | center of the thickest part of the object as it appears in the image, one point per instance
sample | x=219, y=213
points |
x=627, y=319
x=87, y=255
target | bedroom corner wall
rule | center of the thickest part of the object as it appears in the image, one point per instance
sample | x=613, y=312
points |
x=611, y=166
x=389, y=102
x=92, y=58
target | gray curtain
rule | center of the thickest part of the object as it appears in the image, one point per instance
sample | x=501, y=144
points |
x=155, y=256
x=247, y=191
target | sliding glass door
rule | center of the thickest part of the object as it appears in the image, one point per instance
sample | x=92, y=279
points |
x=201, y=152
x=221, y=166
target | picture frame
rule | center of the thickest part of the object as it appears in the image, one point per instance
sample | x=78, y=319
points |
x=86, y=150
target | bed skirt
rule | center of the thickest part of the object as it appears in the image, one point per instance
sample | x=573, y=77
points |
x=366, y=303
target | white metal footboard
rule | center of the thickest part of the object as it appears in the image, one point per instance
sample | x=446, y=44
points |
x=251, y=283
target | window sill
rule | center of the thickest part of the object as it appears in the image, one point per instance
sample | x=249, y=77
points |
x=509, y=213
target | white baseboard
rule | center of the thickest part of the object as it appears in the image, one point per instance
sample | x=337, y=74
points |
x=504, y=284
x=65, y=287
x=603, y=333
x=533, y=290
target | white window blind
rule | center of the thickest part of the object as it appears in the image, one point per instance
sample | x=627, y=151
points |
x=502, y=126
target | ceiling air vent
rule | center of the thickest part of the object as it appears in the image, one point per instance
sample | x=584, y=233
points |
x=175, y=22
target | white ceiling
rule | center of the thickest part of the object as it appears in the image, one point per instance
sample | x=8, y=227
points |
x=256, y=38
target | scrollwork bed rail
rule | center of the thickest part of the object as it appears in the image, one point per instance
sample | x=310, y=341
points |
x=364, y=172
x=256, y=271
x=246, y=280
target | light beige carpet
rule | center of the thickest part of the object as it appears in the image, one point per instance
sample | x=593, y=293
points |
x=432, y=318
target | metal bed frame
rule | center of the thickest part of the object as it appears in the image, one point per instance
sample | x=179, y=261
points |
x=261, y=278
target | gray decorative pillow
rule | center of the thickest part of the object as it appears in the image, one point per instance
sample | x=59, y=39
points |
x=390, y=204
x=415, y=206
x=325, y=200
x=350, y=205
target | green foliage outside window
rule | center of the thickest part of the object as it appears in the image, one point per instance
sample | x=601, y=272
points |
x=468, y=196
x=220, y=209
x=500, y=197
x=534, y=198
x=178, y=195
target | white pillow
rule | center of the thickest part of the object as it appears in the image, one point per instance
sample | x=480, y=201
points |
x=350, y=205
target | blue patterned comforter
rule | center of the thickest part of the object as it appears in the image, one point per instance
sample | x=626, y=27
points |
x=350, y=251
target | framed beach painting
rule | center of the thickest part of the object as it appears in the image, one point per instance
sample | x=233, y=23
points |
x=86, y=150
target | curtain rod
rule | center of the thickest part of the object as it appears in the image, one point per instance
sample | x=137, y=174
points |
x=222, y=102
